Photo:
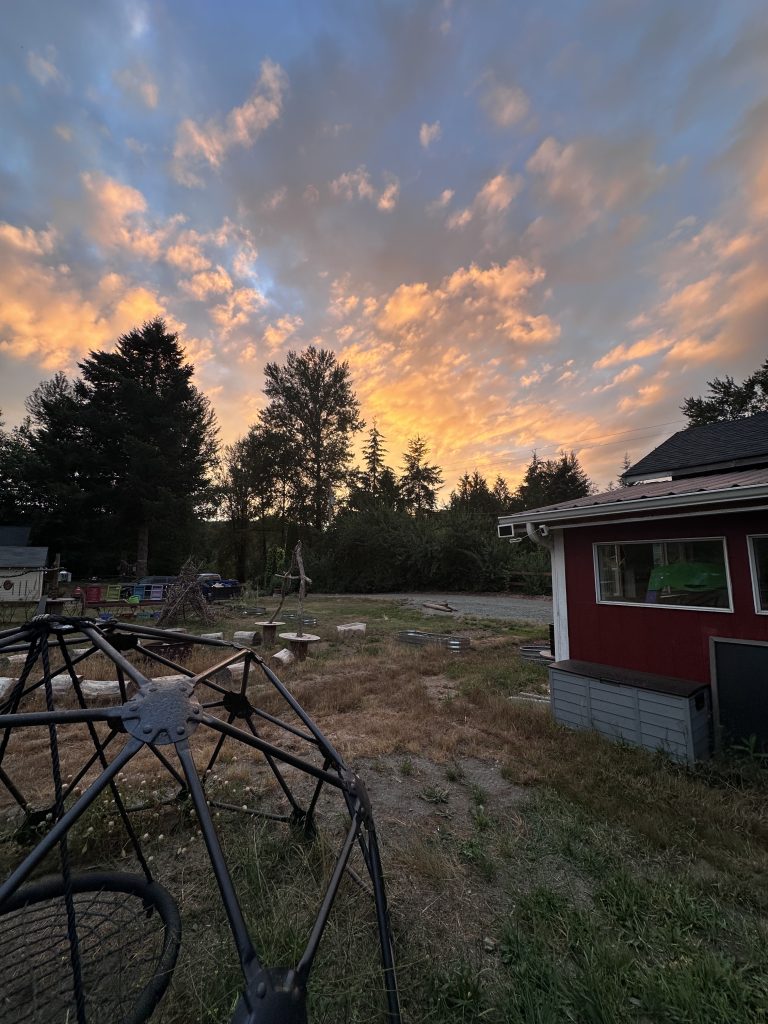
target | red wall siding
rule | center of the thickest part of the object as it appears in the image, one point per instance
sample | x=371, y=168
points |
x=652, y=638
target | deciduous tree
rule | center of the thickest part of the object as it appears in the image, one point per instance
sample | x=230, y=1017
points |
x=313, y=405
x=728, y=400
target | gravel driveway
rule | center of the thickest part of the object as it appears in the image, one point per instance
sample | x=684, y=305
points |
x=486, y=606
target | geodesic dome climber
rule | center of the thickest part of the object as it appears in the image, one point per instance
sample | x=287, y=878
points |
x=97, y=946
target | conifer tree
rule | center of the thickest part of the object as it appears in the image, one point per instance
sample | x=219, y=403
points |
x=420, y=481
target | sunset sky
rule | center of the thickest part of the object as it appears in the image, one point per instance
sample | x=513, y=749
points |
x=524, y=225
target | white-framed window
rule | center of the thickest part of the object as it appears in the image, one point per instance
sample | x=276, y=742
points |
x=690, y=573
x=758, y=563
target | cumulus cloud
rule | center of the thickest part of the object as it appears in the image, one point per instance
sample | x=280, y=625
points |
x=493, y=199
x=237, y=310
x=388, y=198
x=207, y=282
x=26, y=239
x=186, y=252
x=429, y=133
x=115, y=217
x=276, y=334
x=472, y=303
x=342, y=301
x=357, y=184
x=443, y=200
x=47, y=317
x=200, y=145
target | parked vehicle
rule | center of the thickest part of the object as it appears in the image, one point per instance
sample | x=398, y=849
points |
x=219, y=589
x=148, y=588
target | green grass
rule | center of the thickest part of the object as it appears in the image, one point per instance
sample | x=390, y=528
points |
x=626, y=935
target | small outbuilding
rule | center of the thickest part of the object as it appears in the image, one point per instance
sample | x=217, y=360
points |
x=660, y=594
x=22, y=572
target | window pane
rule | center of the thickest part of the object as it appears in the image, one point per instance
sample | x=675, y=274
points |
x=760, y=550
x=686, y=572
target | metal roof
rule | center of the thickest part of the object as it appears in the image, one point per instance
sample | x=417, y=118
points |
x=720, y=489
x=711, y=447
x=14, y=557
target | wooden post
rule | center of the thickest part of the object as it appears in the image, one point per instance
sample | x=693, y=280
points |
x=142, y=550
x=53, y=577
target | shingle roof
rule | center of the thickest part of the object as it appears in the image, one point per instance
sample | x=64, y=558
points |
x=14, y=535
x=711, y=447
x=22, y=558
x=720, y=487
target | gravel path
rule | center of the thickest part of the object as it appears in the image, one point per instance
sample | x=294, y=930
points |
x=485, y=606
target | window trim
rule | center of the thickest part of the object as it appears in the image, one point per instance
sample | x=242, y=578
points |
x=751, y=537
x=666, y=607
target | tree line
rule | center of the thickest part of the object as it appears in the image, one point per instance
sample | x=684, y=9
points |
x=121, y=471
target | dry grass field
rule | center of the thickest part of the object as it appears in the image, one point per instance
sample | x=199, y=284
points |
x=535, y=875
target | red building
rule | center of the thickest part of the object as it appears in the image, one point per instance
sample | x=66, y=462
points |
x=668, y=578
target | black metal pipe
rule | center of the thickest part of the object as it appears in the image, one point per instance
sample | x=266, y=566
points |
x=269, y=748
x=325, y=745
x=63, y=825
x=164, y=634
x=67, y=716
x=308, y=956
x=114, y=655
x=245, y=951
x=276, y=772
x=385, y=933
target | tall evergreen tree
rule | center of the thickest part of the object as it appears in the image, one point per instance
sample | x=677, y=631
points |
x=15, y=497
x=420, y=481
x=153, y=435
x=313, y=404
x=504, y=498
x=473, y=495
x=549, y=481
x=373, y=459
x=55, y=467
x=728, y=400
x=626, y=465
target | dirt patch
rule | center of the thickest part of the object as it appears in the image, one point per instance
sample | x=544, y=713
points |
x=440, y=688
x=440, y=827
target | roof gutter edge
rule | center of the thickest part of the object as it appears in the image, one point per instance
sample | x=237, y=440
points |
x=638, y=505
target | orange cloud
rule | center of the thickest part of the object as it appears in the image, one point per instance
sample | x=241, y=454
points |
x=278, y=333
x=630, y=373
x=44, y=316
x=494, y=198
x=26, y=239
x=207, y=282
x=237, y=309
x=638, y=350
x=201, y=144
x=357, y=184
